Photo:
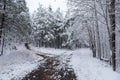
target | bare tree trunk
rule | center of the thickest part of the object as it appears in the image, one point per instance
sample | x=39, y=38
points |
x=2, y=50
x=97, y=31
x=107, y=22
x=2, y=27
x=91, y=39
x=113, y=27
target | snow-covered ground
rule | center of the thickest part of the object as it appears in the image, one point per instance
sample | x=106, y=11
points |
x=52, y=51
x=16, y=64
x=86, y=67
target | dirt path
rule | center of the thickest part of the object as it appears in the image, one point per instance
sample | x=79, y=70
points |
x=52, y=68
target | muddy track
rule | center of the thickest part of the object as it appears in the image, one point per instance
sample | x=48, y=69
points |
x=52, y=69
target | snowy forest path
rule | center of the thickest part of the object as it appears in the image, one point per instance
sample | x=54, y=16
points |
x=52, y=67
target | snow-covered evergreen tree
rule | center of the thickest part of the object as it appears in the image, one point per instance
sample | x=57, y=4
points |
x=49, y=27
x=17, y=25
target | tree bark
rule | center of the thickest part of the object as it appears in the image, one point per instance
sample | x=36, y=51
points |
x=2, y=27
x=91, y=39
x=97, y=32
x=113, y=27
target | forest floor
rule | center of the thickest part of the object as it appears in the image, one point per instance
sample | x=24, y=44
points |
x=54, y=64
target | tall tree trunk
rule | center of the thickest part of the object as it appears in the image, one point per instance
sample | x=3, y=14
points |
x=2, y=26
x=113, y=27
x=98, y=33
x=107, y=22
x=91, y=39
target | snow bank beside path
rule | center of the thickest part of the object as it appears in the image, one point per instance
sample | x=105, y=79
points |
x=17, y=64
x=88, y=68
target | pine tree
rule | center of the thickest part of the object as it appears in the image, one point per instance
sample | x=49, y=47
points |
x=15, y=22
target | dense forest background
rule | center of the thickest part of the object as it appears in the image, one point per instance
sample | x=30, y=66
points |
x=87, y=23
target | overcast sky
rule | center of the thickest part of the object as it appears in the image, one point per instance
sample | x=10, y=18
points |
x=33, y=4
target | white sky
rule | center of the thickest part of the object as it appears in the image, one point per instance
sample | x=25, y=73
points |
x=33, y=4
